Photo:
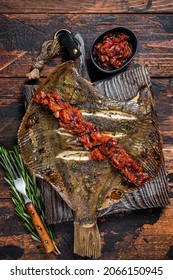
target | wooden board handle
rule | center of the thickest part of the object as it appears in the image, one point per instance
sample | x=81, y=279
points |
x=40, y=228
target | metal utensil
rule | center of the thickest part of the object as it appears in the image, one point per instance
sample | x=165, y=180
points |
x=36, y=220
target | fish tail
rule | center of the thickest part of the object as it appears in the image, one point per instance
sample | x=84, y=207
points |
x=87, y=240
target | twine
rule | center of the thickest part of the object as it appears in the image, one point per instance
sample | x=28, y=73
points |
x=48, y=50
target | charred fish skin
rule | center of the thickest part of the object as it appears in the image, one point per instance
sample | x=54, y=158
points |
x=87, y=185
x=83, y=94
x=133, y=120
x=56, y=155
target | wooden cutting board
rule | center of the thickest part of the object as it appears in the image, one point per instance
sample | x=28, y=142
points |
x=122, y=87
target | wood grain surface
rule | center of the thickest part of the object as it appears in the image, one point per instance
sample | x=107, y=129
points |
x=24, y=26
x=22, y=36
x=86, y=6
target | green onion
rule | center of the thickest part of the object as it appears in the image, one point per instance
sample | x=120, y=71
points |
x=74, y=166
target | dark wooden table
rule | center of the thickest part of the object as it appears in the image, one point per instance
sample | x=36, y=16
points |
x=24, y=26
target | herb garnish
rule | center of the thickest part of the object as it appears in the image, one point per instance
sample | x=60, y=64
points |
x=74, y=166
x=31, y=189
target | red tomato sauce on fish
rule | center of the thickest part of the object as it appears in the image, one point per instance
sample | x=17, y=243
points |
x=92, y=138
x=112, y=51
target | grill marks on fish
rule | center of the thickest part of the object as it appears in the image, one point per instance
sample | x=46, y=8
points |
x=88, y=186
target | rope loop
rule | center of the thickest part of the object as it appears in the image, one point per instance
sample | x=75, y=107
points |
x=48, y=50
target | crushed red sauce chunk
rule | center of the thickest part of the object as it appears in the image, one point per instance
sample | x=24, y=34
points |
x=101, y=146
x=112, y=51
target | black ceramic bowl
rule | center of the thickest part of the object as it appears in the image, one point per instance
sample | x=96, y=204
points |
x=132, y=41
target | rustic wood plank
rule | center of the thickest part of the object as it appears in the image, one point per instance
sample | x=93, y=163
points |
x=4, y=187
x=127, y=238
x=8, y=217
x=11, y=110
x=22, y=247
x=152, y=241
x=89, y=6
x=22, y=37
x=162, y=90
x=143, y=234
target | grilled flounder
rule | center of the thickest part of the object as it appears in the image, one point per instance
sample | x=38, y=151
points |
x=56, y=154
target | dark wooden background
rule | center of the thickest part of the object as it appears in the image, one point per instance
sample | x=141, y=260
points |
x=24, y=26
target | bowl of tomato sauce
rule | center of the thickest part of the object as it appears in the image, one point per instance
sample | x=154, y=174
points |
x=114, y=49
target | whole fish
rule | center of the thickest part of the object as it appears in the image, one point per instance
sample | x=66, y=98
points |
x=54, y=152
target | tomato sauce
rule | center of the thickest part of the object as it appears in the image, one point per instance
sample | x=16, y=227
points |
x=112, y=51
x=92, y=138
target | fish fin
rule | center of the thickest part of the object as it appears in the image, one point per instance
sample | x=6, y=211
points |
x=145, y=145
x=87, y=240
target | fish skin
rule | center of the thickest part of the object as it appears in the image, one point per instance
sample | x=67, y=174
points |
x=86, y=185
